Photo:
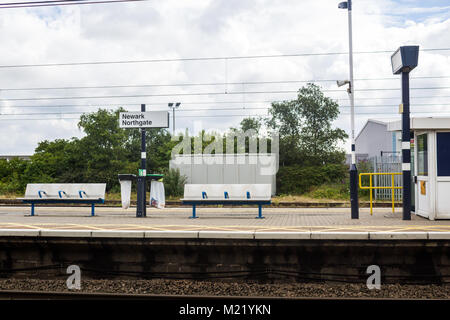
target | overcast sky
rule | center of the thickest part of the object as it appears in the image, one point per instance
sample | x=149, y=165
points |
x=175, y=30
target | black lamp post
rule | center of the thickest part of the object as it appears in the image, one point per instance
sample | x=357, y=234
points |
x=403, y=61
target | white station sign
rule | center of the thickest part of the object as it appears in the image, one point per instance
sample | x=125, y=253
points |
x=150, y=119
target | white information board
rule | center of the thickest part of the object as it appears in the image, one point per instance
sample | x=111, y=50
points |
x=150, y=119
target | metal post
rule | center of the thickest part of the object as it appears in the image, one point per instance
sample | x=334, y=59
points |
x=353, y=170
x=173, y=129
x=141, y=209
x=393, y=192
x=193, y=212
x=370, y=194
x=406, y=148
x=260, y=216
x=173, y=106
x=92, y=209
x=32, y=209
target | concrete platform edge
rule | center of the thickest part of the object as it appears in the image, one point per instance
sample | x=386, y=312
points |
x=255, y=235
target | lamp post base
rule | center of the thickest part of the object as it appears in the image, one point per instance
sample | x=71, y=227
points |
x=354, y=192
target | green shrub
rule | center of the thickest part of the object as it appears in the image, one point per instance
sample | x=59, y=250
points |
x=13, y=178
x=174, y=183
x=339, y=191
x=300, y=179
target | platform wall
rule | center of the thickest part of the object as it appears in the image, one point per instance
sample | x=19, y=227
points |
x=227, y=259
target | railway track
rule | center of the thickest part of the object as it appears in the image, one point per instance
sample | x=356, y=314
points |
x=54, y=295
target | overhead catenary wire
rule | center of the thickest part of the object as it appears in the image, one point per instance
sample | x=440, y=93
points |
x=285, y=55
x=365, y=114
x=125, y=104
x=231, y=83
x=206, y=84
x=13, y=5
x=208, y=94
x=39, y=2
x=217, y=109
x=231, y=93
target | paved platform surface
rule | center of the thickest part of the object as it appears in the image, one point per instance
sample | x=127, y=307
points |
x=277, y=220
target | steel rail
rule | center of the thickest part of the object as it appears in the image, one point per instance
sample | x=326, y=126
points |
x=60, y=295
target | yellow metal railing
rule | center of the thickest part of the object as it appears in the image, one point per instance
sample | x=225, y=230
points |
x=370, y=187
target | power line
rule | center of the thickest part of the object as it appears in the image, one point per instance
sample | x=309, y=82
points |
x=166, y=85
x=149, y=95
x=200, y=116
x=204, y=58
x=222, y=115
x=246, y=102
x=13, y=5
x=207, y=94
x=96, y=105
x=399, y=98
x=205, y=84
x=225, y=109
x=38, y=2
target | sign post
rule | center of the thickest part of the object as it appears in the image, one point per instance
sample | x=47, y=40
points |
x=143, y=120
x=403, y=61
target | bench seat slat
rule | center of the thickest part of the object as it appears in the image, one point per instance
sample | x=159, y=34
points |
x=225, y=200
x=96, y=200
x=58, y=198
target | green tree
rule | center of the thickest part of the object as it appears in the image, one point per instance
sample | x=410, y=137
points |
x=104, y=146
x=109, y=149
x=56, y=161
x=305, y=128
x=251, y=124
x=12, y=175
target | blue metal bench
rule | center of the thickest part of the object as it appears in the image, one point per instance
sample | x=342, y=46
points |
x=227, y=194
x=86, y=193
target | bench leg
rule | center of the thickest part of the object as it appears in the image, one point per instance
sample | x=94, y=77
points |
x=32, y=209
x=259, y=212
x=193, y=213
x=92, y=209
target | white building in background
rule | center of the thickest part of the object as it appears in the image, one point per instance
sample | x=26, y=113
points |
x=374, y=139
x=228, y=168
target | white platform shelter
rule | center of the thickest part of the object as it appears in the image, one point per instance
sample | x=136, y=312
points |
x=430, y=166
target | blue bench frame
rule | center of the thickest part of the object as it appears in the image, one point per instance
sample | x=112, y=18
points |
x=64, y=200
x=194, y=203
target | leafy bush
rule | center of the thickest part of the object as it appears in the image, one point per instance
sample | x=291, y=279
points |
x=300, y=179
x=174, y=183
x=13, y=179
x=340, y=191
x=364, y=167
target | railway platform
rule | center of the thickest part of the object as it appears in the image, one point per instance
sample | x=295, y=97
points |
x=221, y=222
x=301, y=244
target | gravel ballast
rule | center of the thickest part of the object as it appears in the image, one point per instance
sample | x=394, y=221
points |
x=216, y=288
